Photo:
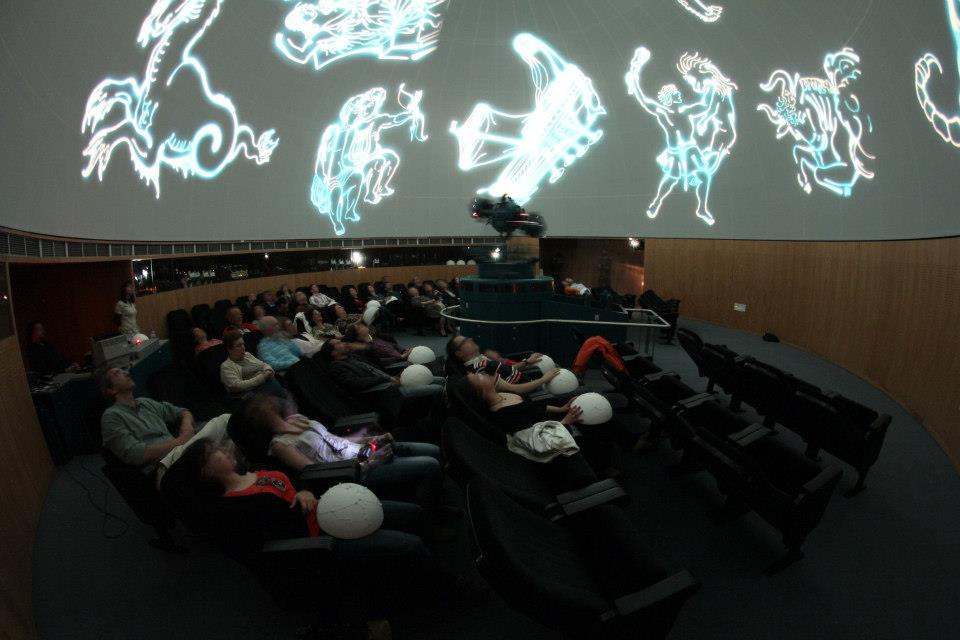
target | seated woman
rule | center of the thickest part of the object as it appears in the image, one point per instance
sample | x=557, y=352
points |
x=408, y=469
x=387, y=352
x=352, y=301
x=202, y=343
x=243, y=510
x=243, y=375
x=304, y=341
x=342, y=319
x=319, y=328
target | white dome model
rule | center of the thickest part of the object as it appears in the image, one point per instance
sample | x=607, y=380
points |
x=450, y=263
x=565, y=382
x=596, y=409
x=370, y=315
x=471, y=262
x=349, y=511
x=461, y=263
x=373, y=303
x=416, y=375
x=545, y=364
x=421, y=355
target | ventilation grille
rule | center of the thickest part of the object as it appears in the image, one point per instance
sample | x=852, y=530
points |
x=15, y=244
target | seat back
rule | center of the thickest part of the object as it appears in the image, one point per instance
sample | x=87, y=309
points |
x=317, y=394
x=202, y=315
x=139, y=491
x=208, y=363
x=765, y=388
x=251, y=341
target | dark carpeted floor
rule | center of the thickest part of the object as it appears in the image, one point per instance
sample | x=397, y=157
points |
x=884, y=564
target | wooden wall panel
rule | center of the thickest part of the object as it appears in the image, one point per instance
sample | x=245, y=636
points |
x=152, y=310
x=25, y=473
x=74, y=301
x=594, y=262
x=887, y=311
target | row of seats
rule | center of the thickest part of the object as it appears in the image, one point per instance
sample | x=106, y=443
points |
x=825, y=420
x=753, y=468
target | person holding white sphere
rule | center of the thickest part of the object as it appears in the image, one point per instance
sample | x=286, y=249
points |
x=408, y=469
x=464, y=353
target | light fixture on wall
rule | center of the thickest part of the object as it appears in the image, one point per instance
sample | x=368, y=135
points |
x=266, y=256
x=634, y=243
x=495, y=254
x=357, y=258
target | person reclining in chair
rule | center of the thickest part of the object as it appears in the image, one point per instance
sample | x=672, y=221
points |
x=276, y=349
x=356, y=374
x=465, y=354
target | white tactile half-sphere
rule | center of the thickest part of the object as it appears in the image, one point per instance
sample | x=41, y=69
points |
x=370, y=315
x=596, y=409
x=373, y=303
x=450, y=263
x=545, y=364
x=349, y=511
x=471, y=262
x=416, y=375
x=565, y=382
x=421, y=355
x=461, y=263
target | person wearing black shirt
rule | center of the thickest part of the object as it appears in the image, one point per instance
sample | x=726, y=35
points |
x=42, y=356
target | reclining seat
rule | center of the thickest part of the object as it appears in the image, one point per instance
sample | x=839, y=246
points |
x=764, y=387
x=561, y=486
x=720, y=366
x=691, y=342
x=180, y=333
x=590, y=575
x=756, y=470
x=318, y=398
x=829, y=421
x=669, y=310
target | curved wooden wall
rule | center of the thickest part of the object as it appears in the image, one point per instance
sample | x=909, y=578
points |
x=152, y=310
x=887, y=311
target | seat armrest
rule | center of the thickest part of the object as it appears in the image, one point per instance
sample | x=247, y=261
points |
x=343, y=470
x=751, y=434
x=396, y=367
x=695, y=401
x=377, y=387
x=822, y=481
x=603, y=492
x=653, y=377
x=680, y=585
x=295, y=545
x=349, y=423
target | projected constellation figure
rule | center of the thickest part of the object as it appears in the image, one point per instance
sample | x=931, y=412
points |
x=352, y=166
x=824, y=118
x=698, y=135
x=948, y=127
x=706, y=12
x=324, y=31
x=125, y=111
x=559, y=130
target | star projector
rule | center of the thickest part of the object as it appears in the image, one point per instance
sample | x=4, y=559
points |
x=506, y=217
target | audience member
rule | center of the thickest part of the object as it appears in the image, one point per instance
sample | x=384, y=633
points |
x=447, y=297
x=304, y=341
x=386, y=351
x=258, y=312
x=137, y=430
x=357, y=375
x=321, y=330
x=431, y=308
x=42, y=356
x=200, y=341
x=352, y=301
x=234, y=320
x=125, y=311
x=242, y=374
x=573, y=288
x=318, y=299
x=269, y=302
x=276, y=349
x=344, y=319
x=464, y=352
x=504, y=405
x=285, y=293
x=410, y=467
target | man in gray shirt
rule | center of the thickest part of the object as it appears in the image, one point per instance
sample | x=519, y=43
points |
x=136, y=430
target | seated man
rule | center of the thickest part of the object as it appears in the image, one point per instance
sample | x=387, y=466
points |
x=258, y=312
x=318, y=299
x=234, y=318
x=356, y=374
x=304, y=341
x=276, y=349
x=465, y=353
x=386, y=352
x=42, y=356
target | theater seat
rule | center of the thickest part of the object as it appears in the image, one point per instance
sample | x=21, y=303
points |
x=139, y=491
x=588, y=576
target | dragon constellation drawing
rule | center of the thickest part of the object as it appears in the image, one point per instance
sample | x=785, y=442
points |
x=947, y=126
x=706, y=12
x=698, y=133
x=320, y=32
x=826, y=122
x=352, y=165
x=559, y=130
x=136, y=112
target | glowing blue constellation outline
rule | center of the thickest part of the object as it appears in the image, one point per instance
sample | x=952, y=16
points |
x=321, y=32
x=948, y=127
x=559, y=130
x=352, y=166
x=706, y=12
x=122, y=112
x=698, y=135
x=826, y=121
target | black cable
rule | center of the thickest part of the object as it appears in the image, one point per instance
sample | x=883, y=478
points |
x=107, y=514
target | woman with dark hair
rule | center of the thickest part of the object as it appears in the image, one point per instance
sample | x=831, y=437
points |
x=125, y=311
x=410, y=468
x=343, y=319
x=243, y=510
x=42, y=356
x=319, y=327
x=352, y=301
